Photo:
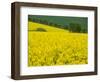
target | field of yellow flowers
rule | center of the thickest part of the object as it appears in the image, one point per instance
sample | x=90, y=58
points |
x=56, y=46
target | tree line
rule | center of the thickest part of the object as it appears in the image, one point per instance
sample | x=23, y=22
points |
x=72, y=27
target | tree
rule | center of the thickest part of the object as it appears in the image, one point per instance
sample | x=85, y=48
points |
x=41, y=30
x=74, y=27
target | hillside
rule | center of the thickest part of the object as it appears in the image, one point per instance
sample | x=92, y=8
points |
x=50, y=46
x=63, y=21
x=36, y=26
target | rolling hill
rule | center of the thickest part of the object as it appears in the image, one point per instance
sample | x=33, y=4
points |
x=42, y=27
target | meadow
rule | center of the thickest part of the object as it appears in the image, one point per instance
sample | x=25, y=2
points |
x=55, y=46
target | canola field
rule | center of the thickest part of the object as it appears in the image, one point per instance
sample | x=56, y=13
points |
x=56, y=46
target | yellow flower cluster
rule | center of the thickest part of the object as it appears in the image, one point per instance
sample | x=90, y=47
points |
x=56, y=48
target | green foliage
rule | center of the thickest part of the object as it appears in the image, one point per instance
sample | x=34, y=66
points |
x=74, y=27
